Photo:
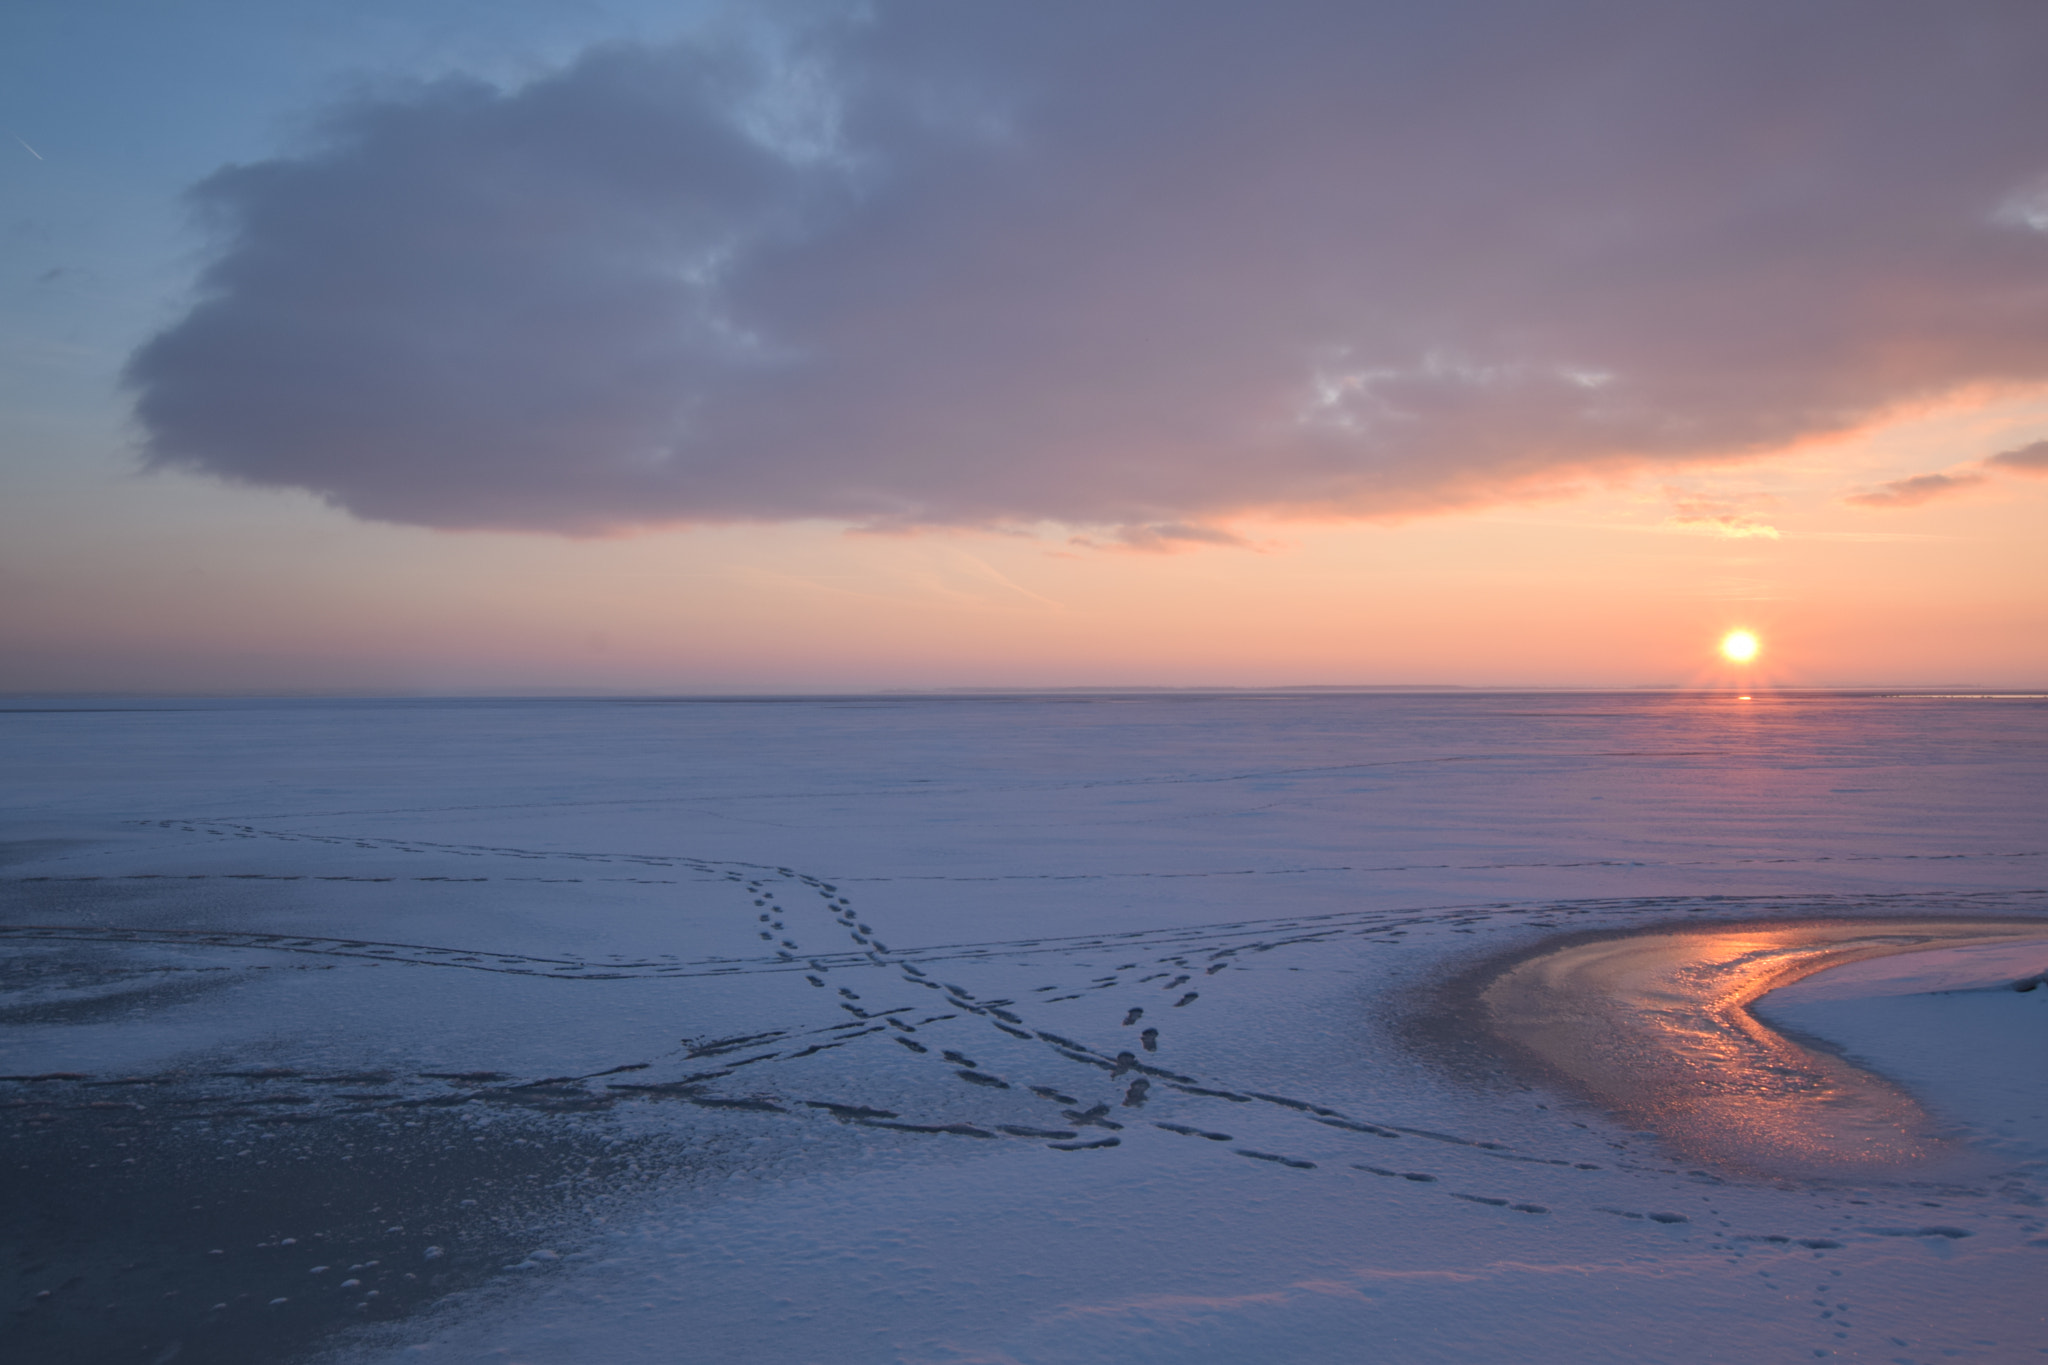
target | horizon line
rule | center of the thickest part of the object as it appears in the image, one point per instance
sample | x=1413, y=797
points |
x=984, y=691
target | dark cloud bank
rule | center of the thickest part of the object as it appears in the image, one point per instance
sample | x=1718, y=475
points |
x=1121, y=263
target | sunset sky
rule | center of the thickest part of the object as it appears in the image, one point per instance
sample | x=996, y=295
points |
x=549, y=345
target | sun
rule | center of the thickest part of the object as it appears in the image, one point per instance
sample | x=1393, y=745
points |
x=1739, y=646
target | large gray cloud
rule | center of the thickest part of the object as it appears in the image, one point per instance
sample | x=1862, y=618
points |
x=1122, y=263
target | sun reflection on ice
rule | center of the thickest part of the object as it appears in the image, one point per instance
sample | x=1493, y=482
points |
x=1657, y=1027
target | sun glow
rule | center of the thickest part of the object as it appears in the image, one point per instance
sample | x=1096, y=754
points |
x=1739, y=646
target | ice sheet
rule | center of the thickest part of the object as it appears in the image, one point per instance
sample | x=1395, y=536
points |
x=519, y=947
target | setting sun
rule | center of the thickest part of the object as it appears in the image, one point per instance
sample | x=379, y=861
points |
x=1739, y=646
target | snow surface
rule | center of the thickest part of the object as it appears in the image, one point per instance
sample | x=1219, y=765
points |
x=1949, y=1024
x=401, y=960
x=2000, y=967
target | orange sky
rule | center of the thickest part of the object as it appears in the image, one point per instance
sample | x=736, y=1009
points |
x=342, y=362
x=187, y=585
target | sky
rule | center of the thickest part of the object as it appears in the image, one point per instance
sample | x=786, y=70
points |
x=552, y=345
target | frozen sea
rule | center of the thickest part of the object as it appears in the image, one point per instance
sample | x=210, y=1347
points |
x=1040, y=1029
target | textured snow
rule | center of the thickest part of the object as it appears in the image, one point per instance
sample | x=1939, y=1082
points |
x=573, y=893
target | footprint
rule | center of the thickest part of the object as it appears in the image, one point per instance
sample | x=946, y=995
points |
x=760, y=1106
x=960, y=1129
x=1150, y=1038
x=977, y=1078
x=1194, y=1132
x=1402, y=1175
x=850, y=1111
x=1303, y=1105
x=1133, y=1017
x=1134, y=1098
x=1047, y=1092
x=1187, y=999
x=709, y=1049
x=1092, y=1118
x=1281, y=1160
x=1352, y=1127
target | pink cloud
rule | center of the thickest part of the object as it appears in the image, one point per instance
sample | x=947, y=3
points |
x=2031, y=459
x=1730, y=516
x=1913, y=492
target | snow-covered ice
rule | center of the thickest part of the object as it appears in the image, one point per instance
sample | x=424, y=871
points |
x=1055, y=1028
x=1965, y=1029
